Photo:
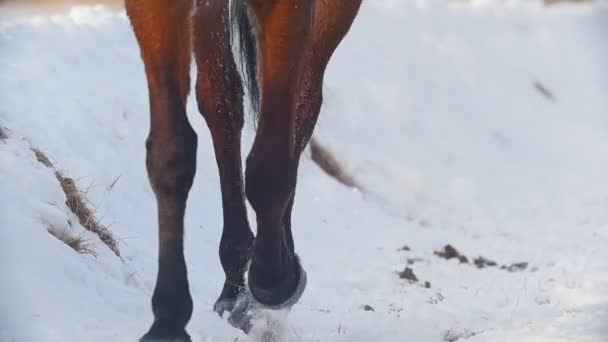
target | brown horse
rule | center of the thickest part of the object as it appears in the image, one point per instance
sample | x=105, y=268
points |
x=285, y=46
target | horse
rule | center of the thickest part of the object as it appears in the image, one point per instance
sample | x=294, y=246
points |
x=283, y=49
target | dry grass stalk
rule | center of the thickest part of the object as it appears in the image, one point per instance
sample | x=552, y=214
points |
x=78, y=204
x=111, y=186
x=42, y=158
x=77, y=243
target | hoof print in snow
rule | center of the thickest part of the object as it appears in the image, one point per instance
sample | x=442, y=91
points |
x=409, y=275
x=427, y=284
x=405, y=248
x=449, y=252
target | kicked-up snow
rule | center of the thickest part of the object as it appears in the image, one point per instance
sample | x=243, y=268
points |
x=482, y=126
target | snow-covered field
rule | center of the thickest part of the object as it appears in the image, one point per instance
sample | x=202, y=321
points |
x=482, y=126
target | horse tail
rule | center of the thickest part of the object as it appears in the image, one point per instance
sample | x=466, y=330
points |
x=243, y=38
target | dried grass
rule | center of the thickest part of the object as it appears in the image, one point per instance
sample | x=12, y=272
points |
x=42, y=158
x=79, y=205
x=77, y=243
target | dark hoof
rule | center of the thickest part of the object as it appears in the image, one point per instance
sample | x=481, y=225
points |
x=242, y=313
x=283, y=295
x=223, y=305
x=227, y=299
x=238, y=305
x=163, y=331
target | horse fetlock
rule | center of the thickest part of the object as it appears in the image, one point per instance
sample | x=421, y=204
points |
x=172, y=307
x=172, y=303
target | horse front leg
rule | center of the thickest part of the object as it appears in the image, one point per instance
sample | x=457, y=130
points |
x=220, y=98
x=162, y=29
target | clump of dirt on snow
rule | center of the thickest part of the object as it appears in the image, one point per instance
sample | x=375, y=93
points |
x=518, y=266
x=408, y=274
x=449, y=252
x=482, y=262
x=368, y=307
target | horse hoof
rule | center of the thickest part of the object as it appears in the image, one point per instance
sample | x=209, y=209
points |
x=242, y=313
x=223, y=305
x=282, y=296
x=239, y=307
x=163, y=332
x=228, y=297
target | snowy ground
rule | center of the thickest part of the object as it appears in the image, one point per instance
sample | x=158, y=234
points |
x=481, y=126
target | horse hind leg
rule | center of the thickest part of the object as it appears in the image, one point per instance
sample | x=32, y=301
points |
x=162, y=29
x=220, y=99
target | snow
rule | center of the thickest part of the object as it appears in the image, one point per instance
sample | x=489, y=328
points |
x=432, y=107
